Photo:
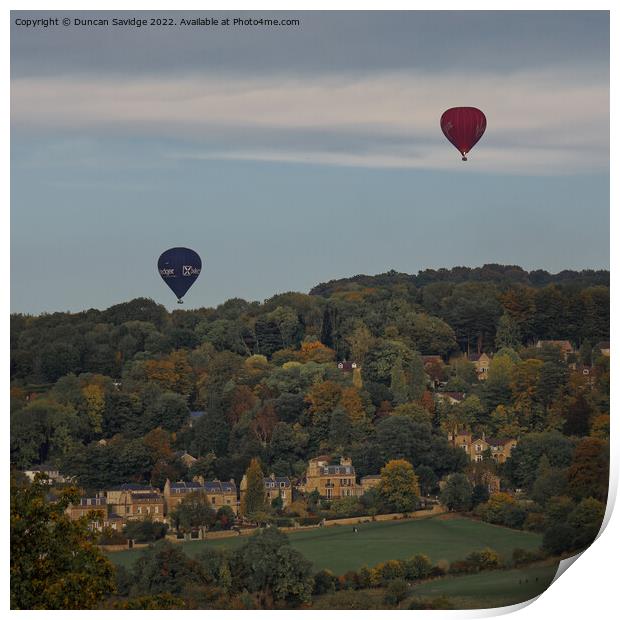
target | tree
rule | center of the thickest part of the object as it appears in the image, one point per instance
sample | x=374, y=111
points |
x=399, y=486
x=587, y=519
x=253, y=500
x=550, y=482
x=457, y=493
x=508, y=333
x=55, y=563
x=269, y=567
x=193, y=511
x=588, y=474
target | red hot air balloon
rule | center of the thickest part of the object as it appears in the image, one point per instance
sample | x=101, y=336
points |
x=463, y=127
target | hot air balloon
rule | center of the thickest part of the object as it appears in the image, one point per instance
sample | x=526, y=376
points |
x=463, y=127
x=179, y=269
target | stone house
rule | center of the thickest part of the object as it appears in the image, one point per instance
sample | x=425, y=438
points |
x=482, y=363
x=332, y=481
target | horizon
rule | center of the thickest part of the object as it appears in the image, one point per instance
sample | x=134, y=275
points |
x=171, y=306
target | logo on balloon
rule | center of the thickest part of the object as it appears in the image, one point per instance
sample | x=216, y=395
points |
x=189, y=270
x=167, y=272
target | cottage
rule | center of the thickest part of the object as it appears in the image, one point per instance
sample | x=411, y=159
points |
x=48, y=470
x=499, y=449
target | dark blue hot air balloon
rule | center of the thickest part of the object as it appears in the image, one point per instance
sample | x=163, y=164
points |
x=179, y=268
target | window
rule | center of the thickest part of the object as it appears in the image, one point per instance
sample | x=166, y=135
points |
x=156, y=509
x=329, y=493
x=213, y=500
x=139, y=510
x=478, y=447
x=282, y=485
x=478, y=457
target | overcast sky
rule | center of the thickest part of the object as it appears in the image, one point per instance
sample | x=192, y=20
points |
x=287, y=156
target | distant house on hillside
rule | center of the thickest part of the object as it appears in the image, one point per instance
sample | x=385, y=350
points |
x=482, y=362
x=603, y=347
x=135, y=502
x=48, y=470
x=453, y=398
x=348, y=366
x=500, y=449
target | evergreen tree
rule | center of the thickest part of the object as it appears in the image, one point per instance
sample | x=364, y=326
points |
x=253, y=500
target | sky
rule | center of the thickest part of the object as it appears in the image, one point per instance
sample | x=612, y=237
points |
x=288, y=156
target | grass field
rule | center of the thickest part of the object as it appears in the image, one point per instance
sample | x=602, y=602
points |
x=489, y=589
x=339, y=549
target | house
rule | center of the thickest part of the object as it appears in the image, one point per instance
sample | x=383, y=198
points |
x=187, y=459
x=87, y=505
x=218, y=493
x=134, y=502
x=275, y=486
x=452, y=398
x=487, y=479
x=48, y=470
x=499, y=449
x=566, y=348
x=370, y=482
x=482, y=362
x=332, y=481
x=603, y=347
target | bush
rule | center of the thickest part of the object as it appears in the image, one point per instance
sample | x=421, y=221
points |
x=521, y=557
x=396, y=592
x=324, y=582
x=417, y=567
x=112, y=537
x=310, y=520
x=145, y=531
x=347, y=599
x=559, y=538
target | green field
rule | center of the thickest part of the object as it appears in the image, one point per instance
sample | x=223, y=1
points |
x=489, y=589
x=339, y=549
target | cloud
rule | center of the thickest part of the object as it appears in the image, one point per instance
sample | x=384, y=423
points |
x=545, y=122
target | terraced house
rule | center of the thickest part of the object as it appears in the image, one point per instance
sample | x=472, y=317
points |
x=218, y=493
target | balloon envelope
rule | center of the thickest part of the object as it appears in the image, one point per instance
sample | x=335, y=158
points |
x=179, y=269
x=463, y=127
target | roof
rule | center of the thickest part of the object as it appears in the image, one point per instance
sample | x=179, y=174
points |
x=215, y=486
x=146, y=497
x=495, y=441
x=432, y=358
x=278, y=480
x=455, y=395
x=371, y=477
x=196, y=414
x=603, y=344
x=132, y=486
x=93, y=501
x=337, y=470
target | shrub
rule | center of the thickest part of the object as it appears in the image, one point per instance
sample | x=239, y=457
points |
x=396, y=592
x=417, y=567
x=145, y=531
x=324, y=582
x=559, y=538
x=521, y=557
